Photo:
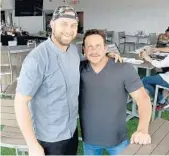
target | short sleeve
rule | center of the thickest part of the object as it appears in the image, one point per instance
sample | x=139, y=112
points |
x=79, y=51
x=30, y=77
x=132, y=80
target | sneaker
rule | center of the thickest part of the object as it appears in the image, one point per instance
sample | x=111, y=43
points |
x=161, y=106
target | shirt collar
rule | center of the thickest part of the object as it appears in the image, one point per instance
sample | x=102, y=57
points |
x=55, y=48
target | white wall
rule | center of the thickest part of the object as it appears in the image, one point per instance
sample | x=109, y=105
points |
x=32, y=24
x=127, y=15
x=51, y=4
x=8, y=4
x=118, y=15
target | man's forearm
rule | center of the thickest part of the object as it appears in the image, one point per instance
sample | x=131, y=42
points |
x=166, y=49
x=145, y=110
x=24, y=120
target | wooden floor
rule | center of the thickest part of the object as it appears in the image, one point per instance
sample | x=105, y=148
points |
x=159, y=131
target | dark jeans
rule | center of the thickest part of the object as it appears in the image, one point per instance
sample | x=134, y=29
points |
x=65, y=147
x=151, y=81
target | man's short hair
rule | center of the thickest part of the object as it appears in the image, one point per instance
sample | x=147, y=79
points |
x=94, y=32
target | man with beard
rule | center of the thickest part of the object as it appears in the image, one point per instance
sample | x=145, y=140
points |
x=49, y=81
x=104, y=88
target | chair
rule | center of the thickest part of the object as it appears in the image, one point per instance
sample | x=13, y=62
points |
x=109, y=37
x=10, y=66
x=103, y=30
x=6, y=74
x=142, y=41
x=153, y=38
x=19, y=53
x=113, y=48
x=11, y=90
x=11, y=136
x=122, y=41
x=155, y=102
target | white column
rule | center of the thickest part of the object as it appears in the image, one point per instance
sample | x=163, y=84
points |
x=7, y=17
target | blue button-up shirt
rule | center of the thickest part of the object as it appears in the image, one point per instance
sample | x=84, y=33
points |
x=51, y=77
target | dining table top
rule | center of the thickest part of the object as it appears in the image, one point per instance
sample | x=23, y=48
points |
x=17, y=49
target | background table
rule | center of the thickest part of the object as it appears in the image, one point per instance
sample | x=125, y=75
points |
x=148, y=67
x=16, y=49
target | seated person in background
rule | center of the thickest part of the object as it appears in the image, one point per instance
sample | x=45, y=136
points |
x=163, y=50
x=163, y=38
x=161, y=79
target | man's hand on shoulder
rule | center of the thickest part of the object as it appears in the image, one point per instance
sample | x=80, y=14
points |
x=116, y=56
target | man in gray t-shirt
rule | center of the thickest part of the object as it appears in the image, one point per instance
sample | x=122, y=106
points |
x=104, y=88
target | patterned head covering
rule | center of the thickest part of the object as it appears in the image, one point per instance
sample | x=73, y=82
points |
x=60, y=12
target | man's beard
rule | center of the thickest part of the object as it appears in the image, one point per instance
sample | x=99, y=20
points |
x=59, y=40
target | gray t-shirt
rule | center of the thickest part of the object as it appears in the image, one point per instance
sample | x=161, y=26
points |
x=102, y=102
x=52, y=78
